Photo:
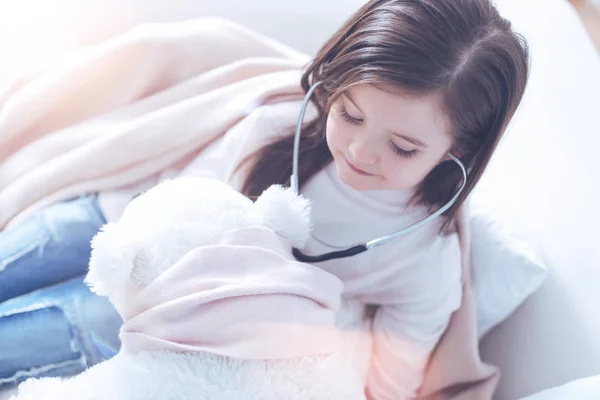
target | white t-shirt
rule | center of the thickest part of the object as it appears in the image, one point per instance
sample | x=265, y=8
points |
x=416, y=279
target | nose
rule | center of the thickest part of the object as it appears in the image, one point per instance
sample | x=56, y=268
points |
x=362, y=153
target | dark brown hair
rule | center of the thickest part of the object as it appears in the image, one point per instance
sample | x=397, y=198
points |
x=462, y=50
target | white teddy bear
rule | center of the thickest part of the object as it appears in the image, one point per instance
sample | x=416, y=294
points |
x=178, y=247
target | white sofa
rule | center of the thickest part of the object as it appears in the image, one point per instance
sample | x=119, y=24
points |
x=543, y=180
x=546, y=183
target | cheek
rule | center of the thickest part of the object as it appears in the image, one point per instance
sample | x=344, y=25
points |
x=405, y=173
x=334, y=133
x=400, y=173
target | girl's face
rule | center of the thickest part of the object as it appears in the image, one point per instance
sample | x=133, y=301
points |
x=385, y=141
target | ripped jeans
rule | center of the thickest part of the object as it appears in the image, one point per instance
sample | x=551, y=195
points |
x=51, y=324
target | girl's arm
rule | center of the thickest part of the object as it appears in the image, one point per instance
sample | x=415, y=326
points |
x=413, y=316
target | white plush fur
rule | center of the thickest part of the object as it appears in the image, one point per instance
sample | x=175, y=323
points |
x=169, y=376
x=286, y=213
x=156, y=230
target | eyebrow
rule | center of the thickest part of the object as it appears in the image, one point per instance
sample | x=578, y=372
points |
x=409, y=139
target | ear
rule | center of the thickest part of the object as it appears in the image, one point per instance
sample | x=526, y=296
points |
x=457, y=154
x=286, y=213
x=111, y=261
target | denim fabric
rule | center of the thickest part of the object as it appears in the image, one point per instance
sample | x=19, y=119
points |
x=50, y=322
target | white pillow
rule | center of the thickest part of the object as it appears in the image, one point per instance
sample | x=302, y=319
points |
x=581, y=389
x=540, y=171
x=506, y=267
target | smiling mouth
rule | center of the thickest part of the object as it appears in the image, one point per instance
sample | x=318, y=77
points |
x=357, y=170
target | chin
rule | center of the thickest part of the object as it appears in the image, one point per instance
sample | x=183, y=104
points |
x=357, y=182
x=362, y=183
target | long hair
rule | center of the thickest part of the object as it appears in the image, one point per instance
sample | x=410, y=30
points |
x=462, y=50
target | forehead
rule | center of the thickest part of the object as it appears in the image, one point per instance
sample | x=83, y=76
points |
x=420, y=117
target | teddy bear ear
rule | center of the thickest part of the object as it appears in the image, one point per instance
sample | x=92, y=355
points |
x=287, y=213
x=111, y=261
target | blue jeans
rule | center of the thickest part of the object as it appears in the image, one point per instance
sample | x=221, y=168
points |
x=50, y=322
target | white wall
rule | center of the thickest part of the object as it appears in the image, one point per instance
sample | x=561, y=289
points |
x=32, y=30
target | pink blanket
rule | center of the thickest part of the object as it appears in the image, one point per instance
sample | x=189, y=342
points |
x=152, y=98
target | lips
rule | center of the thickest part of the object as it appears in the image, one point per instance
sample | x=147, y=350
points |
x=357, y=170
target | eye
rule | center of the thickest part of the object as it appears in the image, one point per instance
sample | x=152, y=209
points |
x=401, y=152
x=348, y=118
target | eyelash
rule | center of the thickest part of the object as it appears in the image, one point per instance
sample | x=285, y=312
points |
x=402, y=152
x=348, y=118
x=355, y=121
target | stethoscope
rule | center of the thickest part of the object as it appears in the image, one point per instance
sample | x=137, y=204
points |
x=361, y=247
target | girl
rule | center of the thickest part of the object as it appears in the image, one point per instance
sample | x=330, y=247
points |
x=405, y=84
